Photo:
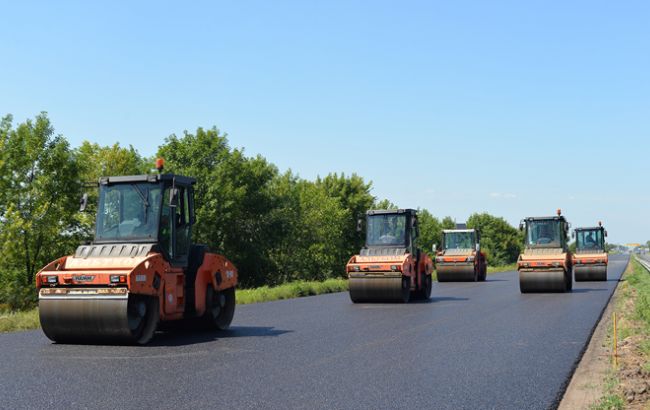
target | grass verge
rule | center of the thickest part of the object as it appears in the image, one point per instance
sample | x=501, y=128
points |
x=290, y=290
x=503, y=268
x=627, y=385
x=21, y=320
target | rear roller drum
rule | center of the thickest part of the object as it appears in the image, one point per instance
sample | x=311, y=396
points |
x=219, y=308
x=425, y=292
x=380, y=289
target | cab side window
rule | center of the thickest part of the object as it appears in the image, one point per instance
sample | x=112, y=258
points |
x=182, y=224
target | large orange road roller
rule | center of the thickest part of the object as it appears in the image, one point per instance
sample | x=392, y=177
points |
x=141, y=269
x=545, y=264
x=590, y=260
x=390, y=267
x=460, y=258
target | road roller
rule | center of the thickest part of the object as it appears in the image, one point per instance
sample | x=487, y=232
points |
x=590, y=259
x=140, y=271
x=390, y=267
x=545, y=264
x=460, y=258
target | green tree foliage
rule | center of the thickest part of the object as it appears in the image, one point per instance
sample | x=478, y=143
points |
x=384, y=204
x=431, y=230
x=237, y=212
x=353, y=195
x=38, y=197
x=501, y=241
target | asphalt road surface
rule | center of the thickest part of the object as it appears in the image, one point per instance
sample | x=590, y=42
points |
x=473, y=345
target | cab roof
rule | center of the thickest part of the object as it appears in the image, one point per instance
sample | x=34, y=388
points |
x=151, y=178
x=391, y=211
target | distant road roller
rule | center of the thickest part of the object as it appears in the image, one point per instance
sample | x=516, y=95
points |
x=460, y=258
x=590, y=260
x=545, y=264
x=141, y=269
x=390, y=267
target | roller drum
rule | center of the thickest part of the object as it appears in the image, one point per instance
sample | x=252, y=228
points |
x=379, y=289
x=99, y=319
x=456, y=273
x=590, y=273
x=543, y=281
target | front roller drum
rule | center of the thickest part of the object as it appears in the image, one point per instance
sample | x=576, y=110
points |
x=544, y=281
x=590, y=273
x=456, y=273
x=127, y=318
x=380, y=289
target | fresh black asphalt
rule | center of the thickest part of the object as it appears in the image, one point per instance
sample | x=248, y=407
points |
x=472, y=346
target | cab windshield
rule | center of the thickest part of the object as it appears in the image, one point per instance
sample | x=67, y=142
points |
x=386, y=230
x=128, y=212
x=459, y=240
x=545, y=233
x=589, y=240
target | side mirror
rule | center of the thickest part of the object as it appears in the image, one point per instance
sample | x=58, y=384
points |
x=83, y=202
x=173, y=197
x=478, y=247
x=359, y=225
x=605, y=234
x=434, y=248
x=573, y=234
x=521, y=226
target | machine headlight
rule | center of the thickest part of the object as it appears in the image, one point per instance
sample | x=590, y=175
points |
x=469, y=259
x=52, y=279
x=357, y=269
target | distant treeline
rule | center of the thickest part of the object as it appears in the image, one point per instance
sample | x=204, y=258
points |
x=276, y=227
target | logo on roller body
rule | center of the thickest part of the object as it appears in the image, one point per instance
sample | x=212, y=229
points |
x=230, y=274
x=83, y=278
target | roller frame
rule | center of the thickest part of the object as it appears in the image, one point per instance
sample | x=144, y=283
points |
x=379, y=288
x=543, y=281
x=590, y=272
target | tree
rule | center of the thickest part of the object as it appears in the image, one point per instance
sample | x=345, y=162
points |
x=501, y=241
x=237, y=213
x=353, y=194
x=38, y=197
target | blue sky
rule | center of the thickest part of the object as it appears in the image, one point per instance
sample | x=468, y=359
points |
x=510, y=107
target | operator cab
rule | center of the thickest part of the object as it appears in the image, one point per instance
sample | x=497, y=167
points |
x=391, y=231
x=546, y=232
x=459, y=239
x=156, y=210
x=590, y=239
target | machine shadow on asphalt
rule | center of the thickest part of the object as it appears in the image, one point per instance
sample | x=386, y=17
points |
x=442, y=299
x=175, y=338
x=585, y=290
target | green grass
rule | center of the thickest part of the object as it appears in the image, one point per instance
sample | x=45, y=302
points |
x=290, y=290
x=503, y=268
x=21, y=320
x=636, y=286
